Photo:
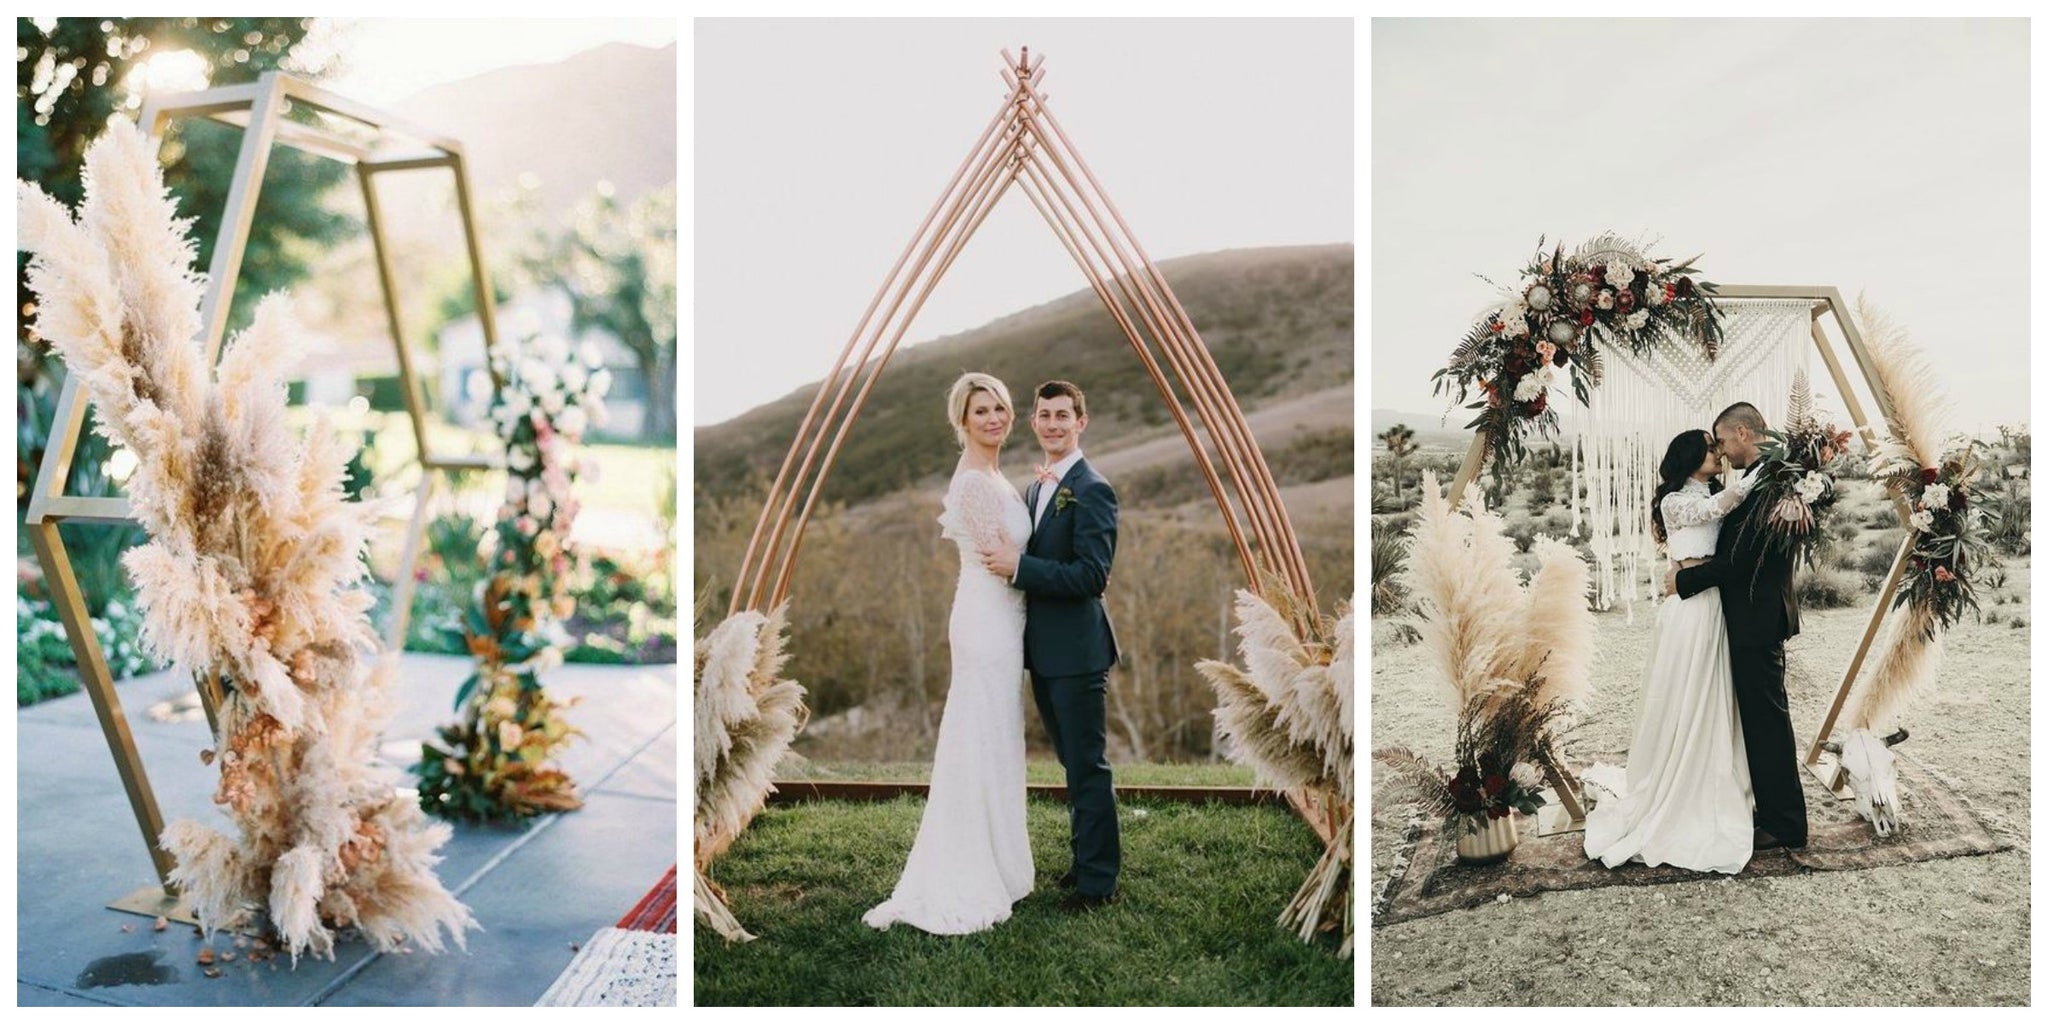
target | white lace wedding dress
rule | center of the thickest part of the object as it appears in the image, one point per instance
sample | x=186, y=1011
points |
x=972, y=857
x=1685, y=797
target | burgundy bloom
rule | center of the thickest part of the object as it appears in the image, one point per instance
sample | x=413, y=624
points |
x=1495, y=783
x=1599, y=272
x=1625, y=301
x=1956, y=501
x=1535, y=408
x=1685, y=286
x=1929, y=475
x=1586, y=318
x=1496, y=812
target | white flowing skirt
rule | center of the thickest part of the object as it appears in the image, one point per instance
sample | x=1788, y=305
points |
x=972, y=856
x=1685, y=798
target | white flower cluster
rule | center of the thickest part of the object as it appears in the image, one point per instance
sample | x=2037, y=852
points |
x=1535, y=383
x=547, y=381
x=1810, y=487
x=1922, y=520
x=1620, y=275
x=1934, y=496
x=1637, y=319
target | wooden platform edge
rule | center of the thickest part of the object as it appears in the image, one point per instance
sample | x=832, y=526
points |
x=796, y=791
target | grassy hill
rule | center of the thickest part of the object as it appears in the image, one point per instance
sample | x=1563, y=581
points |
x=1278, y=322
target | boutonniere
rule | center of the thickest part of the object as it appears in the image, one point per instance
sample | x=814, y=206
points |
x=1061, y=499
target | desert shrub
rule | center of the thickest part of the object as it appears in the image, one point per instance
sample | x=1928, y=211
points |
x=1830, y=587
x=1991, y=577
x=1523, y=533
x=1875, y=561
x=1557, y=523
x=1389, y=557
x=1992, y=617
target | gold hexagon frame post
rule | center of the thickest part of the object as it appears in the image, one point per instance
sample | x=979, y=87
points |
x=1569, y=815
x=374, y=142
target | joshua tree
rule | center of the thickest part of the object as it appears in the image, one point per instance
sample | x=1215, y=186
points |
x=1400, y=442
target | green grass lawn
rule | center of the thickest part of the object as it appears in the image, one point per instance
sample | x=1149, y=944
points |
x=1035, y=772
x=1203, y=886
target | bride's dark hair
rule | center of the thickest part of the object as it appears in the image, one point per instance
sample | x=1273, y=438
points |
x=1682, y=458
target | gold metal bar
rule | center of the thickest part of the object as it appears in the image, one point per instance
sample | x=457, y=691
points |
x=373, y=218
x=99, y=685
x=302, y=91
x=479, y=272
x=300, y=136
x=240, y=211
x=775, y=505
x=66, y=422
x=408, y=563
x=1877, y=614
x=159, y=109
x=76, y=508
x=379, y=166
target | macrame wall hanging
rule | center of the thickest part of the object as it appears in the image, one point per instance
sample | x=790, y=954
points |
x=1645, y=401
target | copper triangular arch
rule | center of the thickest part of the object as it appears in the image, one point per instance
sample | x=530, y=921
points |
x=1023, y=145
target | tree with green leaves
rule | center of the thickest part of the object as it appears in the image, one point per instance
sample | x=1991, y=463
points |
x=617, y=262
x=73, y=76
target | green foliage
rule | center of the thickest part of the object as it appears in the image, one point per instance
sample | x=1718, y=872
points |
x=1203, y=886
x=44, y=664
x=1828, y=586
x=1389, y=558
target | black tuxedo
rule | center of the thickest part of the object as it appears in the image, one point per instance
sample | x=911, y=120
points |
x=1762, y=612
x=1069, y=647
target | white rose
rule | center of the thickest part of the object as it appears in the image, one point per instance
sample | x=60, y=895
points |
x=574, y=376
x=1935, y=496
x=1514, y=325
x=551, y=348
x=1526, y=776
x=600, y=382
x=1529, y=387
x=521, y=459
x=541, y=505
x=599, y=414
x=572, y=422
x=539, y=378
x=536, y=490
x=1811, y=486
x=1605, y=301
x=592, y=355
x=1637, y=319
x=517, y=404
x=1620, y=275
x=1923, y=520
x=1654, y=294
x=551, y=402
x=515, y=490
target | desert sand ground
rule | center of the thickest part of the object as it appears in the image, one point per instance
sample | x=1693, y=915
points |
x=1945, y=932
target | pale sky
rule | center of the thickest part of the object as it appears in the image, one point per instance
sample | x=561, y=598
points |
x=819, y=146
x=1889, y=157
x=389, y=59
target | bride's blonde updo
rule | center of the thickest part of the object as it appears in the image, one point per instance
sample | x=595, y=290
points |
x=961, y=395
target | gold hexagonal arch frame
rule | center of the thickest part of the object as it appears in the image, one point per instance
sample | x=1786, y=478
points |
x=373, y=142
x=1827, y=304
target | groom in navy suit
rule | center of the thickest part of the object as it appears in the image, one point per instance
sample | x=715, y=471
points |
x=1069, y=645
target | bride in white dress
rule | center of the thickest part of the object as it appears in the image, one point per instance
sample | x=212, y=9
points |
x=1685, y=799
x=972, y=857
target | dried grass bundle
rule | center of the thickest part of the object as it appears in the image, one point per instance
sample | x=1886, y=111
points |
x=1912, y=649
x=746, y=716
x=251, y=574
x=1288, y=714
x=1918, y=422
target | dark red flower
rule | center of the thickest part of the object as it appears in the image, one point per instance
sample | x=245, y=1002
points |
x=1495, y=783
x=1497, y=326
x=1929, y=475
x=1670, y=291
x=1586, y=318
x=1536, y=407
x=1599, y=272
x=1625, y=301
x=1685, y=286
x=1956, y=501
x=1496, y=812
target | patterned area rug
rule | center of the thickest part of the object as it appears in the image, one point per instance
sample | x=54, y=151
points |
x=656, y=911
x=1935, y=822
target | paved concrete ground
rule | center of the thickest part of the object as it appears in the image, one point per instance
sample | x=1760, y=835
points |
x=536, y=889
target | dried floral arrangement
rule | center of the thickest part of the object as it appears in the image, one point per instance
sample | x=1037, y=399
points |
x=1288, y=714
x=1552, y=322
x=251, y=577
x=746, y=716
x=497, y=762
x=1514, y=658
x=1795, y=477
x=1934, y=473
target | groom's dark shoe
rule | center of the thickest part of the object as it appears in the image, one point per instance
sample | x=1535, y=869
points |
x=1068, y=881
x=1762, y=840
x=1078, y=902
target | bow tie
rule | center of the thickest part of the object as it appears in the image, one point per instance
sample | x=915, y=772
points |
x=1047, y=476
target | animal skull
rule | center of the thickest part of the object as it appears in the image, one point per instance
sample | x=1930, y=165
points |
x=1873, y=775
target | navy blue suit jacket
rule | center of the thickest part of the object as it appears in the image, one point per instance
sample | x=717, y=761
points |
x=1063, y=571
